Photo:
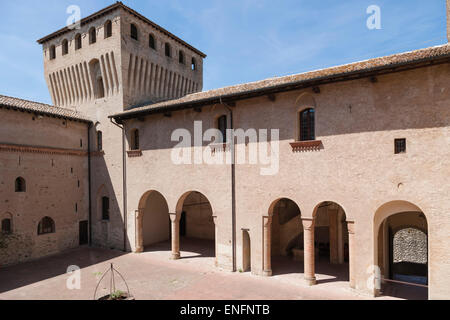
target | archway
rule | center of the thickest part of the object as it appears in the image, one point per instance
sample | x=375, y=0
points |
x=401, y=251
x=246, y=251
x=286, y=237
x=153, y=223
x=331, y=242
x=196, y=226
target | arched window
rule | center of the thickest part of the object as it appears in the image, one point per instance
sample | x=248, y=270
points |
x=168, y=50
x=20, y=185
x=97, y=79
x=108, y=29
x=65, y=47
x=152, y=42
x=181, y=57
x=6, y=226
x=307, y=125
x=52, y=52
x=193, y=64
x=134, y=32
x=92, y=35
x=46, y=226
x=222, y=125
x=78, y=43
x=134, y=143
x=99, y=141
x=105, y=208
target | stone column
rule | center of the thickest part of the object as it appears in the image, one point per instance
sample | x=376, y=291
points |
x=267, y=254
x=139, y=233
x=216, y=248
x=352, y=254
x=175, y=234
x=308, y=234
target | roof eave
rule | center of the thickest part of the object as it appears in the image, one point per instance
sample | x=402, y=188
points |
x=295, y=85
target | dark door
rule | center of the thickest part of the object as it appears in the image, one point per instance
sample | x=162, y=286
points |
x=84, y=237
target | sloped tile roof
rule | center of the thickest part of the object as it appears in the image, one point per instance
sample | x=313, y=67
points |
x=277, y=84
x=41, y=108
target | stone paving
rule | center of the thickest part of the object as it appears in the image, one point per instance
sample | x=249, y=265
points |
x=152, y=276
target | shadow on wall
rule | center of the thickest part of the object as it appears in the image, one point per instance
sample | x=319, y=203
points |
x=107, y=219
x=409, y=100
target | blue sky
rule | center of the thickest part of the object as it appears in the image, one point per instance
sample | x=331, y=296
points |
x=245, y=40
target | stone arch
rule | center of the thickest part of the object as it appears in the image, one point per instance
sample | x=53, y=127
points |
x=195, y=213
x=331, y=231
x=152, y=220
x=389, y=219
x=282, y=235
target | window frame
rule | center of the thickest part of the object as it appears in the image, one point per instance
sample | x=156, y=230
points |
x=65, y=47
x=52, y=52
x=105, y=208
x=152, y=41
x=3, y=222
x=135, y=140
x=222, y=126
x=92, y=35
x=108, y=29
x=168, y=50
x=20, y=185
x=49, y=228
x=134, y=32
x=78, y=41
x=307, y=126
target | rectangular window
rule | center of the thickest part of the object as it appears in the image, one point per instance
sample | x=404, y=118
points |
x=105, y=208
x=222, y=126
x=400, y=146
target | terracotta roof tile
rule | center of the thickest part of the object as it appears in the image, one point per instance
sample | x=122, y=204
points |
x=41, y=108
x=361, y=66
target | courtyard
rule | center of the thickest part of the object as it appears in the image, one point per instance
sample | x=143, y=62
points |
x=153, y=276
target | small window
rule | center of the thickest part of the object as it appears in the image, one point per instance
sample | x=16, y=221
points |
x=181, y=57
x=99, y=141
x=134, y=32
x=105, y=208
x=307, y=125
x=168, y=50
x=6, y=226
x=135, y=139
x=193, y=64
x=78, y=43
x=46, y=226
x=20, y=185
x=101, y=88
x=92, y=35
x=52, y=52
x=65, y=47
x=108, y=29
x=152, y=42
x=400, y=146
x=222, y=125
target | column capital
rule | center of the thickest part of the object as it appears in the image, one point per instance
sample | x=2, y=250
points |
x=174, y=217
x=308, y=223
x=351, y=227
x=267, y=220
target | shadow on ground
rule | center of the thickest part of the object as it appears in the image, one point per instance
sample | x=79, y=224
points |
x=17, y=276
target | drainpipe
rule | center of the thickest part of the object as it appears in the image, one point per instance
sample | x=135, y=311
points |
x=233, y=185
x=89, y=183
x=124, y=186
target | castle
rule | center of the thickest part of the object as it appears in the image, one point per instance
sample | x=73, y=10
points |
x=362, y=159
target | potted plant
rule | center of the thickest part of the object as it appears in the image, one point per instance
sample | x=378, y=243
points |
x=114, y=294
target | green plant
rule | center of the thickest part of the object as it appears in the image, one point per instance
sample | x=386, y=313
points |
x=116, y=295
x=240, y=270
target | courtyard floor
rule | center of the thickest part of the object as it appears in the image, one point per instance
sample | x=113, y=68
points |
x=152, y=276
